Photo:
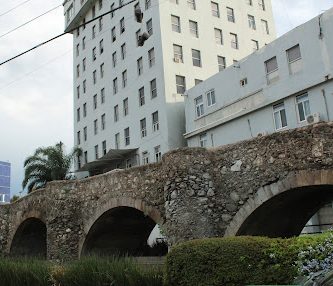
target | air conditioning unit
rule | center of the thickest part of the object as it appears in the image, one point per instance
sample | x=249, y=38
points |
x=313, y=118
x=177, y=60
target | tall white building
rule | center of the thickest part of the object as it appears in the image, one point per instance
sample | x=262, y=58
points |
x=128, y=99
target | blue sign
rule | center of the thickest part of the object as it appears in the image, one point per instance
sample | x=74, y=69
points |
x=4, y=182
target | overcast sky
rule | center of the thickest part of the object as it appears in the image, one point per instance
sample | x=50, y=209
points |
x=36, y=89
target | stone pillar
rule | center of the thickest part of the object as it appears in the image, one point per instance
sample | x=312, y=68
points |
x=189, y=195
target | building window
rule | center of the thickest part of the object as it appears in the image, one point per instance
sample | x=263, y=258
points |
x=113, y=34
x=156, y=125
x=194, y=29
x=104, y=147
x=77, y=50
x=255, y=45
x=264, y=25
x=272, y=71
x=85, y=157
x=180, y=84
x=94, y=54
x=122, y=25
x=230, y=15
x=197, y=81
x=234, y=41
x=84, y=64
x=262, y=5
x=114, y=59
x=101, y=47
x=215, y=9
x=145, y=158
x=199, y=106
x=115, y=86
x=123, y=51
x=177, y=53
x=100, y=24
x=211, y=97
x=103, y=121
x=78, y=113
x=101, y=70
x=102, y=95
x=196, y=58
x=116, y=113
x=128, y=163
x=147, y=4
x=96, y=152
x=111, y=9
x=78, y=91
x=93, y=32
x=158, y=153
x=252, y=22
x=303, y=106
x=218, y=36
x=83, y=43
x=191, y=4
x=141, y=96
x=137, y=35
x=94, y=77
x=124, y=78
x=151, y=57
x=140, y=66
x=280, y=117
x=153, y=88
x=221, y=63
x=117, y=141
x=175, y=23
x=125, y=106
x=143, y=127
x=77, y=70
x=100, y=4
x=294, y=59
x=149, y=26
x=85, y=133
x=85, y=109
x=84, y=86
x=127, y=136
x=95, y=126
x=95, y=101
x=203, y=140
x=93, y=12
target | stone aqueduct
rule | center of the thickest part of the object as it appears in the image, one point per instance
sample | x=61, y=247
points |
x=267, y=186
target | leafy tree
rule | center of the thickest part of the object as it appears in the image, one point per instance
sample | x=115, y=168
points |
x=48, y=164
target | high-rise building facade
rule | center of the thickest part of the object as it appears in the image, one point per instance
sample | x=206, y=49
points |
x=128, y=98
x=4, y=182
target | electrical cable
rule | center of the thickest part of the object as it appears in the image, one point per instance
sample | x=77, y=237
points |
x=8, y=11
x=29, y=21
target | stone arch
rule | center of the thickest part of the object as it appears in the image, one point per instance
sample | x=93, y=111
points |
x=295, y=183
x=29, y=237
x=116, y=204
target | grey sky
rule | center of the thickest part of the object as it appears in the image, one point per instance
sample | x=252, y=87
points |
x=36, y=89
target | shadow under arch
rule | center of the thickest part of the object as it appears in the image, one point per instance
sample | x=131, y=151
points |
x=120, y=227
x=30, y=239
x=282, y=209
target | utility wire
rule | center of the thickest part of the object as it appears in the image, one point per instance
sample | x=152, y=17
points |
x=29, y=21
x=8, y=11
x=71, y=30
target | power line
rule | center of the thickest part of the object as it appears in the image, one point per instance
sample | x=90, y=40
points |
x=71, y=30
x=8, y=11
x=29, y=21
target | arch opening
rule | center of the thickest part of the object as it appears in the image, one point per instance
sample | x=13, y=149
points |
x=286, y=214
x=122, y=231
x=30, y=239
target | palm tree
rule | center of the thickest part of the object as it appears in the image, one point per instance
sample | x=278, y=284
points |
x=48, y=164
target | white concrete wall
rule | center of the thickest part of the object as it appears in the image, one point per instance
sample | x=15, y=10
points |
x=243, y=112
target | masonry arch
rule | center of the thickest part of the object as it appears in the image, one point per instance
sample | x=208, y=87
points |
x=30, y=239
x=120, y=227
x=283, y=208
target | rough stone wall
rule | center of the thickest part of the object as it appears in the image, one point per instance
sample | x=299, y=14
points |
x=193, y=193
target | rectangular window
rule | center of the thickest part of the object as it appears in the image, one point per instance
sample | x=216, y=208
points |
x=104, y=147
x=114, y=59
x=252, y=22
x=125, y=106
x=230, y=15
x=83, y=43
x=215, y=9
x=303, y=106
x=221, y=63
x=218, y=36
x=155, y=121
x=127, y=136
x=95, y=101
x=116, y=113
x=84, y=64
x=196, y=58
x=197, y=81
x=158, y=153
x=137, y=35
x=255, y=45
x=272, y=71
x=199, y=106
x=77, y=50
x=103, y=121
x=93, y=32
x=124, y=78
x=94, y=77
x=140, y=66
x=191, y=4
x=194, y=29
x=95, y=126
x=203, y=140
x=77, y=70
x=211, y=97
x=94, y=54
x=280, y=117
x=78, y=114
x=177, y=53
x=96, y=152
x=100, y=24
x=180, y=84
x=175, y=23
x=149, y=26
x=234, y=41
x=123, y=51
x=85, y=133
x=101, y=70
x=264, y=25
x=151, y=57
x=101, y=46
x=262, y=5
x=117, y=141
x=102, y=95
x=294, y=59
x=84, y=85
x=143, y=127
x=84, y=109
x=142, y=96
x=115, y=86
x=100, y=4
x=153, y=88
x=85, y=157
x=111, y=9
x=113, y=34
x=122, y=25
x=145, y=158
x=78, y=91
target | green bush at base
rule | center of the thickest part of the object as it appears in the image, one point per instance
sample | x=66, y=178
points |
x=236, y=261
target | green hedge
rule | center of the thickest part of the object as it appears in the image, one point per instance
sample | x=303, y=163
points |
x=236, y=261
